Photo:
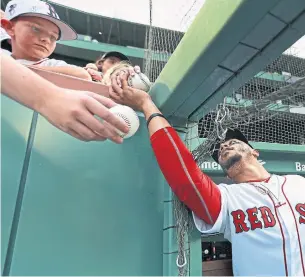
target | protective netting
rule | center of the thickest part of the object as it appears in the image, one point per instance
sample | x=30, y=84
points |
x=268, y=108
x=184, y=226
x=160, y=43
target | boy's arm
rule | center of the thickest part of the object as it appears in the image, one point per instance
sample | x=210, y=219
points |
x=70, y=111
x=74, y=71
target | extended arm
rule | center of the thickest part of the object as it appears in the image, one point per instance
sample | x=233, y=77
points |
x=74, y=71
x=186, y=179
x=70, y=111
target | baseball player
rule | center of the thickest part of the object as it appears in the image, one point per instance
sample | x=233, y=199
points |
x=262, y=214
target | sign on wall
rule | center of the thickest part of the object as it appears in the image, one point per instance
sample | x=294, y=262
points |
x=276, y=166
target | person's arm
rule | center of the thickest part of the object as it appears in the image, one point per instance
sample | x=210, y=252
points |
x=191, y=186
x=74, y=71
x=70, y=111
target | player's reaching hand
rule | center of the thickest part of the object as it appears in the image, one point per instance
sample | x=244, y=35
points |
x=125, y=95
x=134, y=70
x=130, y=71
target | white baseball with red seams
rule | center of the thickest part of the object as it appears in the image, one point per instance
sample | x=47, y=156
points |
x=129, y=116
x=139, y=81
x=264, y=220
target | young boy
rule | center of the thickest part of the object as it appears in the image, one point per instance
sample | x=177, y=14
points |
x=106, y=62
x=34, y=28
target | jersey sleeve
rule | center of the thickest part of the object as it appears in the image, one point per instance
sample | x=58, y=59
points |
x=194, y=188
x=220, y=225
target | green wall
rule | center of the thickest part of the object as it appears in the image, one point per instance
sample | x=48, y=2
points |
x=88, y=208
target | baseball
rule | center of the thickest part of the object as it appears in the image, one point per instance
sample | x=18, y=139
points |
x=129, y=116
x=139, y=81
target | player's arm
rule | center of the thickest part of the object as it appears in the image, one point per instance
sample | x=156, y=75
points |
x=188, y=182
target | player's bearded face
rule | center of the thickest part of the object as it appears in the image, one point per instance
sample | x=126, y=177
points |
x=231, y=152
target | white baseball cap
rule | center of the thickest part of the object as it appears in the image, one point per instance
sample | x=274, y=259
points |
x=40, y=9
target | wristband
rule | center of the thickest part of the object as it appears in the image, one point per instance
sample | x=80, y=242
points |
x=152, y=116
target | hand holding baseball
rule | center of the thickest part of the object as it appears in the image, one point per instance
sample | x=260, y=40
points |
x=125, y=95
x=72, y=112
x=131, y=71
x=136, y=78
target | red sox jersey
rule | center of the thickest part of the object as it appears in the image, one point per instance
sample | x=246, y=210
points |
x=264, y=220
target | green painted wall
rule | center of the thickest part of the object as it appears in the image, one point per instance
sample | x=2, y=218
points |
x=104, y=47
x=88, y=208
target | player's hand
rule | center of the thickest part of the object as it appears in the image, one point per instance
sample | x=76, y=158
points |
x=125, y=95
x=135, y=69
x=130, y=71
x=73, y=112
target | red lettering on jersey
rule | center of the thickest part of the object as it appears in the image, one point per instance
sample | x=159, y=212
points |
x=239, y=221
x=254, y=221
x=267, y=216
x=300, y=208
